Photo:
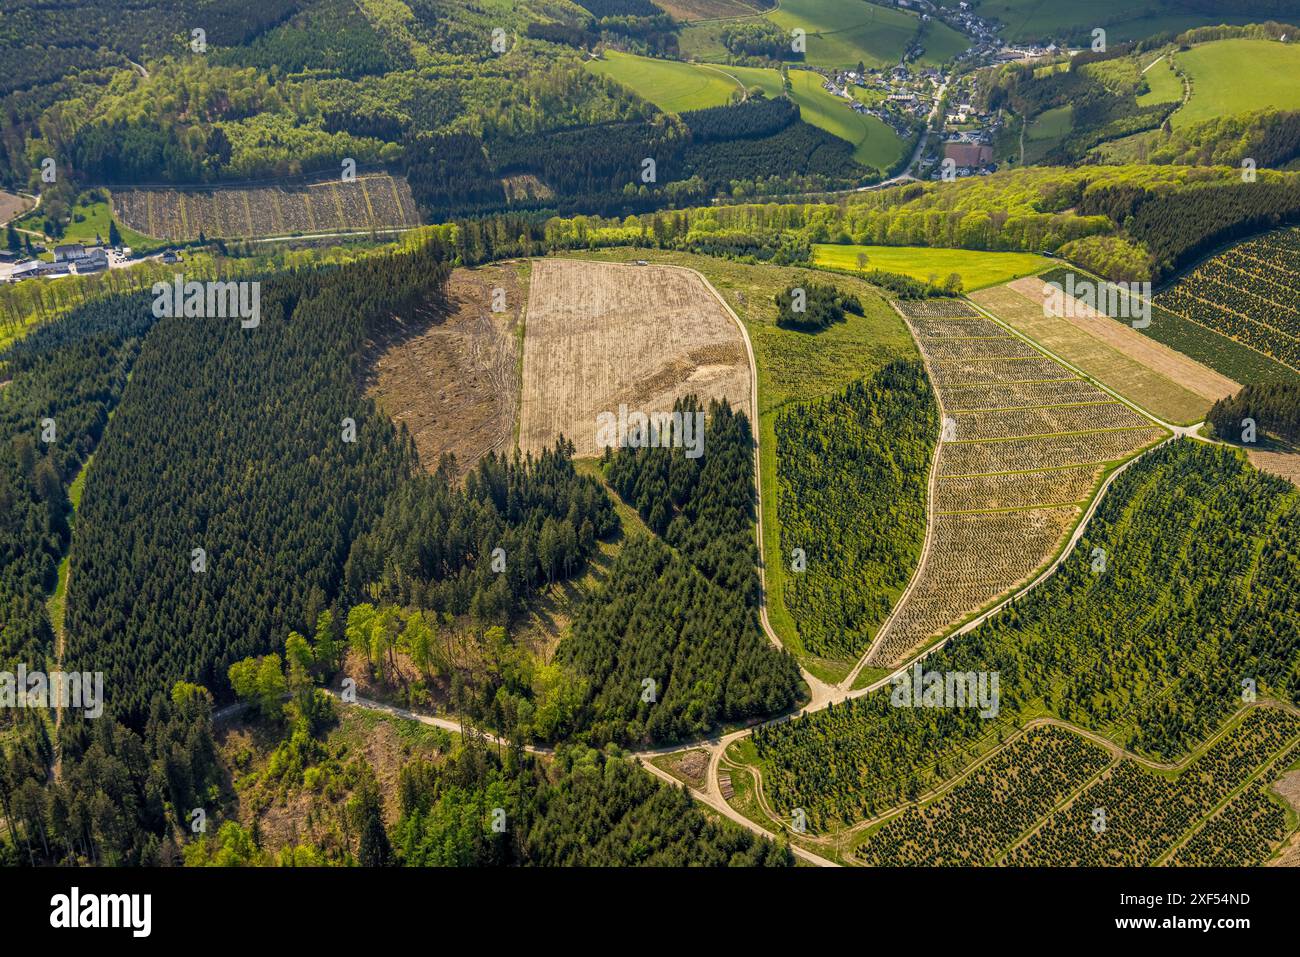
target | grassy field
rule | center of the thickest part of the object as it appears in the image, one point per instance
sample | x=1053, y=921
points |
x=977, y=269
x=1166, y=86
x=90, y=219
x=792, y=366
x=1237, y=76
x=874, y=143
x=1112, y=368
x=677, y=87
x=750, y=76
x=1046, y=130
x=1051, y=124
x=672, y=86
x=840, y=33
x=1124, y=19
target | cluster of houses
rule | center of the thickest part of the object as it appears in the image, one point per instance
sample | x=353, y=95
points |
x=77, y=259
x=906, y=96
x=71, y=259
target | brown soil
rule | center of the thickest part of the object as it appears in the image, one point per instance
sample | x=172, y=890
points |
x=605, y=334
x=11, y=206
x=1285, y=464
x=449, y=372
x=1175, y=366
x=690, y=767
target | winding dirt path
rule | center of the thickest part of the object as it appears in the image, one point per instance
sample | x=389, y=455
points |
x=821, y=694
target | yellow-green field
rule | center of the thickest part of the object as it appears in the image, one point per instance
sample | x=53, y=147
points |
x=840, y=33
x=874, y=143
x=672, y=86
x=750, y=76
x=1051, y=124
x=1238, y=76
x=977, y=269
x=1165, y=86
x=677, y=87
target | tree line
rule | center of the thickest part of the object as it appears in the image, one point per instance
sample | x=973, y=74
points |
x=1274, y=409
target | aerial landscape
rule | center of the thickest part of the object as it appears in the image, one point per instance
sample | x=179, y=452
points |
x=650, y=433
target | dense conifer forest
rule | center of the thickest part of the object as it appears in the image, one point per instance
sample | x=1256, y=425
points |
x=670, y=644
x=1274, y=408
x=267, y=460
x=851, y=479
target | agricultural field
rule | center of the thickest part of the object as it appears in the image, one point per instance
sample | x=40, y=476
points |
x=1025, y=444
x=601, y=335
x=12, y=206
x=985, y=811
x=1247, y=830
x=449, y=371
x=688, y=10
x=842, y=34
x=1216, y=70
x=1249, y=294
x=1233, y=360
x=1282, y=464
x=373, y=201
x=1035, y=802
x=976, y=268
x=671, y=85
x=1171, y=386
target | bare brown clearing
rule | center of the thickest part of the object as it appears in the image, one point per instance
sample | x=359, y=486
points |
x=449, y=372
x=604, y=334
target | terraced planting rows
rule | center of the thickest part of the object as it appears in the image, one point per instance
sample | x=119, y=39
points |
x=1015, y=489
x=1144, y=814
x=1249, y=293
x=975, y=821
x=372, y=201
x=1025, y=443
x=1245, y=831
x=1053, y=797
x=967, y=398
x=1149, y=650
x=1110, y=352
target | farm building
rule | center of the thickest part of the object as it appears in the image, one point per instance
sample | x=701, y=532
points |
x=95, y=260
x=968, y=154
